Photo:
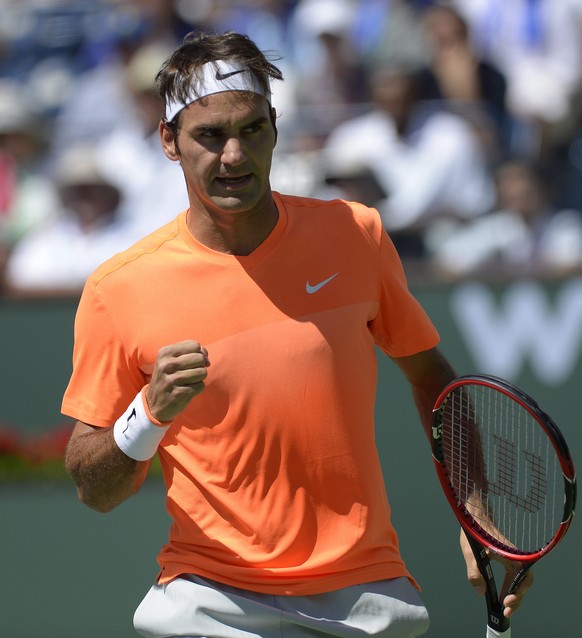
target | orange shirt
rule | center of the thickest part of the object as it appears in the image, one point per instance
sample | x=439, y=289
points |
x=273, y=479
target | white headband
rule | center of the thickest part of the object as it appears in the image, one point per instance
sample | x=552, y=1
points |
x=217, y=77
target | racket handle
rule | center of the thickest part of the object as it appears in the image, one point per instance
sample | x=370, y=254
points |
x=492, y=633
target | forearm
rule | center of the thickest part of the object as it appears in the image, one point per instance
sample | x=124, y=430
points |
x=425, y=397
x=103, y=474
x=109, y=464
x=428, y=373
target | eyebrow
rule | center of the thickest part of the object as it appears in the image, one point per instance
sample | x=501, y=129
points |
x=203, y=128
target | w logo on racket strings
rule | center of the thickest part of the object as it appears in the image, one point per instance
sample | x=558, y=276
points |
x=511, y=473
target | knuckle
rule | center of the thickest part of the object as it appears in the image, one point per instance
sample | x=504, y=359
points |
x=164, y=352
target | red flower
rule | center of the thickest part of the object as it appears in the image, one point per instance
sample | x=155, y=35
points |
x=10, y=441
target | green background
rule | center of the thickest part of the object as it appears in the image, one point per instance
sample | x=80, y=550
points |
x=69, y=572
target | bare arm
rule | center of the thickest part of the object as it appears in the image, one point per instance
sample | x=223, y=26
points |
x=104, y=475
x=428, y=373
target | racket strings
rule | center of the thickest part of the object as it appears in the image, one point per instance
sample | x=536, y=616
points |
x=502, y=468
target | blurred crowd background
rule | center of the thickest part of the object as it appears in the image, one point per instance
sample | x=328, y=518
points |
x=460, y=121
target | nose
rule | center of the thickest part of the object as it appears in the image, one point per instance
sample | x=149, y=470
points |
x=233, y=152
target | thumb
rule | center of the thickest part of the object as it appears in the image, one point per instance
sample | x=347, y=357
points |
x=473, y=574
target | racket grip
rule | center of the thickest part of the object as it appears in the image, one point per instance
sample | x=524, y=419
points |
x=492, y=633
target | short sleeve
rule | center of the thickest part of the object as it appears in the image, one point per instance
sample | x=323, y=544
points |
x=401, y=326
x=105, y=377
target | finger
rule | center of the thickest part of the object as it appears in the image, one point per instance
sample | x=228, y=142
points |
x=178, y=376
x=170, y=364
x=475, y=579
x=186, y=347
x=473, y=574
x=512, y=568
x=512, y=602
x=167, y=397
x=190, y=361
x=190, y=376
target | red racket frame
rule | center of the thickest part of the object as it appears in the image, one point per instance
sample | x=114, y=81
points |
x=467, y=521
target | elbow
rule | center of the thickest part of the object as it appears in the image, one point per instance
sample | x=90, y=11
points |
x=103, y=481
x=88, y=491
x=101, y=505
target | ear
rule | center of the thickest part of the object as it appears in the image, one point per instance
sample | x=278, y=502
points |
x=168, y=142
x=274, y=123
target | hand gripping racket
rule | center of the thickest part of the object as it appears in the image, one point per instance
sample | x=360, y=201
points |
x=507, y=473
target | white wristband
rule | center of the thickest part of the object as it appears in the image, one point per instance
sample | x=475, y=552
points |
x=135, y=433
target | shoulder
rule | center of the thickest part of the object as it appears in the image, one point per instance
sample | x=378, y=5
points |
x=335, y=220
x=338, y=210
x=325, y=206
x=135, y=258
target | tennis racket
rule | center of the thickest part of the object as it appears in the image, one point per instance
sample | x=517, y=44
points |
x=507, y=473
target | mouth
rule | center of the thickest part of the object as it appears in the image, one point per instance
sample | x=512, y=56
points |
x=234, y=182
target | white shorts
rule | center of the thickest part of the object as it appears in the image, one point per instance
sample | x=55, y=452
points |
x=194, y=607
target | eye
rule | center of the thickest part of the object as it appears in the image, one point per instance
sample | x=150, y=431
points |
x=252, y=128
x=210, y=133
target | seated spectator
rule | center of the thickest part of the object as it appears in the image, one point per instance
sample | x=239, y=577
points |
x=526, y=233
x=99, y=100
x=264, y=21
x=429, y=163
x=331, y=78
x=389, y=32
x=455, y=73
x=536, y=45
x=27, y=196
x=153, y=188
x=58, y=255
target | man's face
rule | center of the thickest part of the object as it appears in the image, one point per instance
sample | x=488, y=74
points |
x=225, y=146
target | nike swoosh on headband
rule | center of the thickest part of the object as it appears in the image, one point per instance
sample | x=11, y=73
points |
x=223, y=76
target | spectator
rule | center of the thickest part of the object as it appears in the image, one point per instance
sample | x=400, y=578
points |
x=131, y=26
x=59, y=255
x=264, y=21
x=456, y=74
x=332, y=78
x=328, y=84
x=27, y=196
x=429, y=163
x=132, y=156
x=389, y=32
x=526, y=233
x=536, y=45
x=563, y=164
x=42, y=44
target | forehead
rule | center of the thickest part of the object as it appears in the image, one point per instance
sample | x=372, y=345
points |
x=225, y=109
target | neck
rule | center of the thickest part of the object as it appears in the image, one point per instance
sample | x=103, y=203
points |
x=234, y=233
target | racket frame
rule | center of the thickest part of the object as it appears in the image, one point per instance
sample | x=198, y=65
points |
x=479, y=540
x=468, y=523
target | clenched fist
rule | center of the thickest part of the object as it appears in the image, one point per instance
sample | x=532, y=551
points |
x=178, y=376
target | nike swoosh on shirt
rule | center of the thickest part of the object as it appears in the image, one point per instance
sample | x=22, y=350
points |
x=311, y=289
x=223, y=76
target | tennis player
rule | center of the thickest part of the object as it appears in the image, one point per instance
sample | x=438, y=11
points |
x=238, y=343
